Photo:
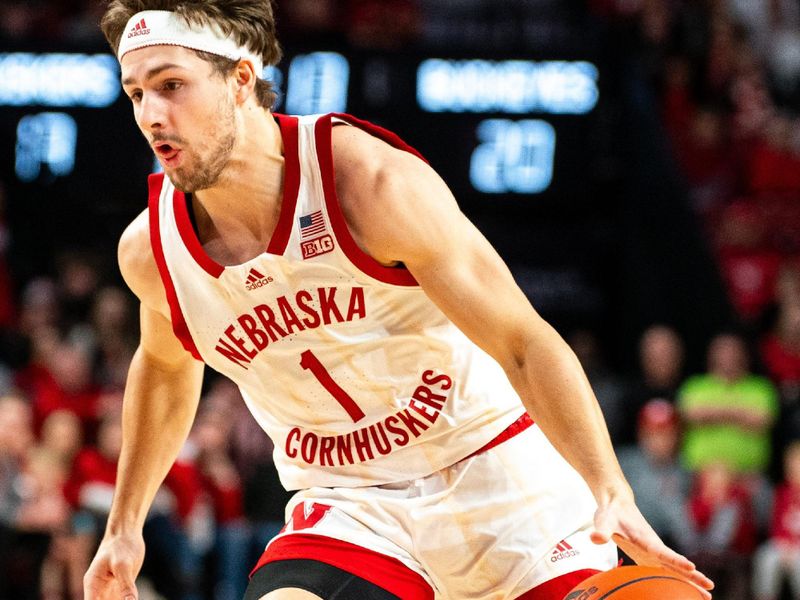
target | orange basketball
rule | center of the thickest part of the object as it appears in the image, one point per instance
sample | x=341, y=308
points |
x=635, y=583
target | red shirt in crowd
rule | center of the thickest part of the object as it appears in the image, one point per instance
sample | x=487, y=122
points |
x=702, y=513
x=750, y=278
x=786, y=514
x=782, y=363
x=91, y=484
x=227, y=499
x=47, y=397
x=774, y=170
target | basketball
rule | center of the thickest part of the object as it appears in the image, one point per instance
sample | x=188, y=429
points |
x=635, y=583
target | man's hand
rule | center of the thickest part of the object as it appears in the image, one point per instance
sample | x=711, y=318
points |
x=619, y=519
x=112, y=574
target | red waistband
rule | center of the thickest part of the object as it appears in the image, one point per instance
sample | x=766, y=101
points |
x=509, y=432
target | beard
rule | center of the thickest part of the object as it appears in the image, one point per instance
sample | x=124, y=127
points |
x=204, y=167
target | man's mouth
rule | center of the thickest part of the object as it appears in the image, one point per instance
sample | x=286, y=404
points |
x=167, y=152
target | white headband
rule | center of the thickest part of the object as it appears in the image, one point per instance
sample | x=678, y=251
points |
x=162, y=27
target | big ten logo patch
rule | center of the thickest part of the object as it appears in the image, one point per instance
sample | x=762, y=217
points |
x=317, y=246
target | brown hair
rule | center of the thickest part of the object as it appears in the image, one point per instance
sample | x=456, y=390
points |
x=250, y=22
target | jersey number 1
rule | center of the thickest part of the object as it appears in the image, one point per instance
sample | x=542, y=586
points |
x=311, y=363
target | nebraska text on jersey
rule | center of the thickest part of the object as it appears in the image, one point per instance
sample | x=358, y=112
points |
x=252, y=332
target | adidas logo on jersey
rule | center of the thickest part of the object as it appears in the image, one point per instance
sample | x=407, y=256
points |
x=256, y=280
x=563, y=550
x=139, y=29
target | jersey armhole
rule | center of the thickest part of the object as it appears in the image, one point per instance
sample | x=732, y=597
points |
x=399, y=275
x=155, y=183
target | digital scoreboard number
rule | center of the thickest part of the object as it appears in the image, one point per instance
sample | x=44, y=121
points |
x=512, y=156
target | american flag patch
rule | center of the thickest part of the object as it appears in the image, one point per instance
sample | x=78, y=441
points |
x=311, y=225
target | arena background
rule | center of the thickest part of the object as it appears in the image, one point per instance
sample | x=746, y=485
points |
x=612, y=192
x=581, y=237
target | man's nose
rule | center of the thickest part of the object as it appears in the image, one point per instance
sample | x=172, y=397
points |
x=152, y=113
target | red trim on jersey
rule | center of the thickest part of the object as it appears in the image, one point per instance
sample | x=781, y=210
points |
x=362, y=260
x=291, y=184
x=156, y=183
x=379, y=132
x=190, y=239
x=283, y=228
x=382, y=570
x=557, y=588
x=509, y=432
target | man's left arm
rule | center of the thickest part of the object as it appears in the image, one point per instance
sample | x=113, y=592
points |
x=401, y=211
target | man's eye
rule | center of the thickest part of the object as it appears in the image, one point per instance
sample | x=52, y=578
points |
x=136, y=96
x=171, y=85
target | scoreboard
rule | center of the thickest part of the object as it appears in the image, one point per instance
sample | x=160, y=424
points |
x=520, y=141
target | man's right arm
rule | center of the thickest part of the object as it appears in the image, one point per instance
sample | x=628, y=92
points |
x=161, y=397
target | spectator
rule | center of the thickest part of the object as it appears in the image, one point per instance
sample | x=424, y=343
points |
x=659, y=482
x=779, y=557
x=78, y=281
x=774, y=163
x=43, y=507
x=303, y=18
x=748, y=264
x=211, y=436
x=91, y=483
x=728, y=412
x=62, y=435
x=707, y=161
x=678, y=105
x=787, y=288
x=780, y=351
x=65, y=382
x=111, y=335
x=68, y=554
x=608, y=387
x=171, y=562
x=723, y=529
x=771, y=25
x=45, y=511
x=661, y=356
x=382, y=24
x=40, y=308
x=41, y=515
x=20, y=555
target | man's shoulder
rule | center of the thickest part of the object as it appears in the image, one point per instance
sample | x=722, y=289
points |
x=359, y=156
x=389, y=197
x=136, y=261
x=357, y=152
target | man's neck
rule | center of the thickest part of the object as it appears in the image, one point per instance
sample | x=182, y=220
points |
x=240, y=212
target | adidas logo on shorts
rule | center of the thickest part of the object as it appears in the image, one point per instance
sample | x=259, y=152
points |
x=563, y=550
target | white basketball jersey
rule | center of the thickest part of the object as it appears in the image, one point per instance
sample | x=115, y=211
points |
x=358, y=378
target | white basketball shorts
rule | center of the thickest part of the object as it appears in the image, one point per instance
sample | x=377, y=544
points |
x=493, y=526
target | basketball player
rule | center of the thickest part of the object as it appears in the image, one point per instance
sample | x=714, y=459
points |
x=442, y=438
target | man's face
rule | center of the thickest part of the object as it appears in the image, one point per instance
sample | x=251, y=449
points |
x=184, y=110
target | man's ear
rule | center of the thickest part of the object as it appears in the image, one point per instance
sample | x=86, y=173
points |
x=246, y=78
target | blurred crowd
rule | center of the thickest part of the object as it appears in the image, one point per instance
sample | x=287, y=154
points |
x=713, y=454
x=64, y=353
x=728, y=77
x=373, y=23
x=714, y=457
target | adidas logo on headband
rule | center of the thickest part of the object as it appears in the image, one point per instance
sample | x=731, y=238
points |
x=139, y=29
x=161, y=27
